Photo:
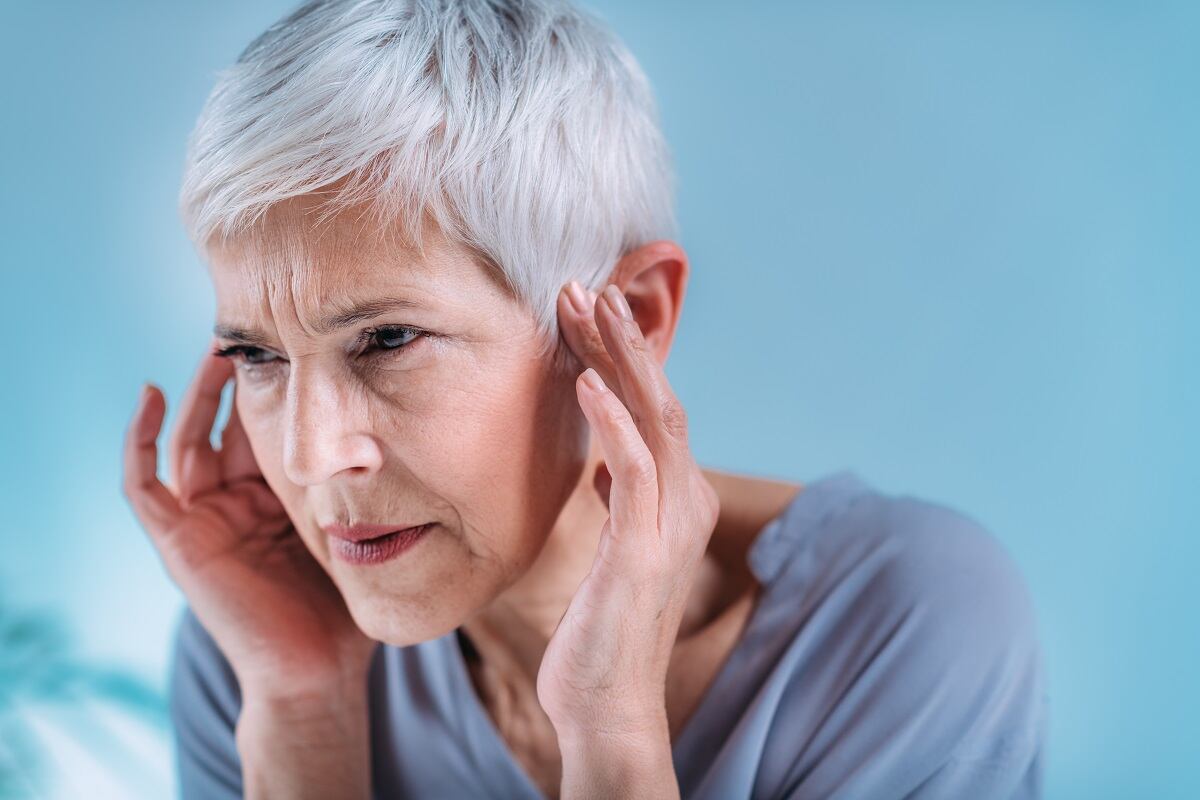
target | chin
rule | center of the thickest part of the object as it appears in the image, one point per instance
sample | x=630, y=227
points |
x=400, y=621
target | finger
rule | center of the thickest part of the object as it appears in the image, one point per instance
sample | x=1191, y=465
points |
x=152, y=502
x=236, y=456
x=578, y=327
x=647, y=394
x=195, y=467
x=633, y=495
x=602, y=482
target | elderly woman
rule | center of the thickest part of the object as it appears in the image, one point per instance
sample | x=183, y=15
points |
x=453, y=543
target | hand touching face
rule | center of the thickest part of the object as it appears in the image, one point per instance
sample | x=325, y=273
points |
x=605, y=668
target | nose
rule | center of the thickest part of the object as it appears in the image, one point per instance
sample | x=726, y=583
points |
x=325, y=431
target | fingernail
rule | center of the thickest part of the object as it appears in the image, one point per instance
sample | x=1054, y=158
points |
x=592, y=379
x=616, y=301
x=577, y=298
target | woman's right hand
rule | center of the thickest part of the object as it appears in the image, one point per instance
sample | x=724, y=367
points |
x=228, y=543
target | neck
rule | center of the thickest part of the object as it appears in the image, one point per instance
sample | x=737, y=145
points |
x=512, y=632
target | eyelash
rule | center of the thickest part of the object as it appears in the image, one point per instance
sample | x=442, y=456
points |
x=240, y=352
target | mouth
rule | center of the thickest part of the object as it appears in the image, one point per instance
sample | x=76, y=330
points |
x=375, y=549
x=364, y=531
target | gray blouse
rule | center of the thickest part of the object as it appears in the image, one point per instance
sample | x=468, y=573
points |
x=893, y=653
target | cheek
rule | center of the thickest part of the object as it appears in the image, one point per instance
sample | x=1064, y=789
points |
x=261, y=422
x=510, y=450
x=492, y=452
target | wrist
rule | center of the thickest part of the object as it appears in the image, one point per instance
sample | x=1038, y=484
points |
x=630, y=747
x=337, y=706
x=305, y=747
x=305, y=689
x=616, y=732
x=625, y=762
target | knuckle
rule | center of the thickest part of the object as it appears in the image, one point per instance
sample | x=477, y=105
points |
x=133, y=486
x=594, y=344
x=674, y=418
x=613, y=416
x=635, y=339
x=640, y=469
x=189, y=454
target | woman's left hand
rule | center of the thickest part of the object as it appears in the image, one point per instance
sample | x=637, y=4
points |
x=603, y=676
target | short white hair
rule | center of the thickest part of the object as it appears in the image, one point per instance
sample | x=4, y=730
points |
x=524, y=128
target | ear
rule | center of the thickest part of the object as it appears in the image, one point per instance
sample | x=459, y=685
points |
x=654, y=278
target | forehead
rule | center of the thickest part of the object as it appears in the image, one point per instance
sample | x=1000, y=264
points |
x=292, y=256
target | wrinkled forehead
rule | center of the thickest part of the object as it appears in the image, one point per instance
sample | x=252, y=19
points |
x=295, y=253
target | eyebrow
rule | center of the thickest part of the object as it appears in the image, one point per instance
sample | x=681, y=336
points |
x=341, y=318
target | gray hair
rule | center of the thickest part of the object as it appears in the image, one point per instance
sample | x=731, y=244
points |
x=524, y=128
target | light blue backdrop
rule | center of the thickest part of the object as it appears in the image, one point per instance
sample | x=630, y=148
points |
x=954, y=249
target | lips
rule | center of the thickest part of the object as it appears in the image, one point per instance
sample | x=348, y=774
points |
x=380, y=549
x=366, y=532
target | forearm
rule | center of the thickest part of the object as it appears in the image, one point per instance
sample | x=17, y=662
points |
x=293, y=747
x=597, y=767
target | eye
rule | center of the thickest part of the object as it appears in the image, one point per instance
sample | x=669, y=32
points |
x=382, y=341
x=246, y=353
x=392, y=338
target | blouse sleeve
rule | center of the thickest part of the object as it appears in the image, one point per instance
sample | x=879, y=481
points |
x=204, y=701
x=948, y=699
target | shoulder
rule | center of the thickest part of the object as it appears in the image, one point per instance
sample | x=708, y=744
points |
x=930, y=650
x=941, y=579
x=898, y=553
x=944, y=564
x=204, y=701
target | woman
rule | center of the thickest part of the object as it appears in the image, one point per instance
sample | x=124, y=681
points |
x=454, y=542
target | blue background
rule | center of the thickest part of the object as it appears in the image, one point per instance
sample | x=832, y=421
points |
x=953, y=248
